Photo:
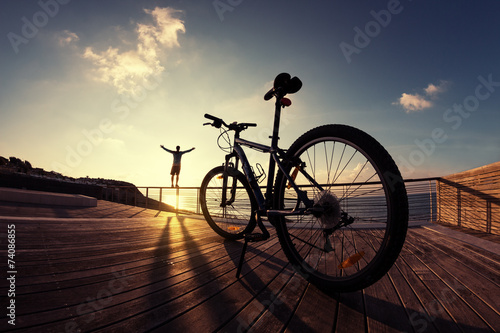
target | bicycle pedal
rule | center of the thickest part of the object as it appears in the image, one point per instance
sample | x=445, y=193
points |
x=255, y=237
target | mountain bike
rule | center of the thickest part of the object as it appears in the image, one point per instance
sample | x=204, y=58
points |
x=338, y=202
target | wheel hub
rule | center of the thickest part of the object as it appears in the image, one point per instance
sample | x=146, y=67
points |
x=329, y=209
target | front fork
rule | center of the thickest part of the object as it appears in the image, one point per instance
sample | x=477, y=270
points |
x=228, y=166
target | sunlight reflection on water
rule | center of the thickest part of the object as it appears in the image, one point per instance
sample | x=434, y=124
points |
x=186, y=200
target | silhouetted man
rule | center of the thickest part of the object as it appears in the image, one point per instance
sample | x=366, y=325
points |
x=176, y=166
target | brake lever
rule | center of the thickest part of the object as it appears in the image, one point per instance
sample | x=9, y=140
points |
x=205, y=124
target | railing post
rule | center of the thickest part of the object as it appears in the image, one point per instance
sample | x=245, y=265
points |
x=177, y=198
x=159, y=201
x=346, y=201
x=459, y=207
x=488, y=216
x=438, y=200
x=430, y=198
x=198, y=200
x=147, y=195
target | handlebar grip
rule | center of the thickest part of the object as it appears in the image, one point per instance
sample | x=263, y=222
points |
x=217, y=121
x=248, y=124
x=209, y=116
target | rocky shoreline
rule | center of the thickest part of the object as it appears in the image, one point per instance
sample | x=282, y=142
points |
x=15, y=173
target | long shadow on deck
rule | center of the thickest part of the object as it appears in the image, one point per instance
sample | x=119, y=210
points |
x=264, y=275
x=189, y=279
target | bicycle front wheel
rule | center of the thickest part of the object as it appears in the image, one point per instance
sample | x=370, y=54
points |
x=360, y=220
x=233, y=218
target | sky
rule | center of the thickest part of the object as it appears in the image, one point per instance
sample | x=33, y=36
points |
x=93, y=88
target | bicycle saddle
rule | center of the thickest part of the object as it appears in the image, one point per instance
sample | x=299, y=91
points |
x=284, y=84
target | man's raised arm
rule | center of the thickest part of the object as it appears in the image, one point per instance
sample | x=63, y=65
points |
x=170, y=151
x=187, y=151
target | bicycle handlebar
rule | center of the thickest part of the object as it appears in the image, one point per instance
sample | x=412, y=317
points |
x=209, y=116
x=218, y=122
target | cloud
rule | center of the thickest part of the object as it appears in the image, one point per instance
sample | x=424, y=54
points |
x=411, y=103
x=433, y=90
x=416, y=102
x=67, y=37
x=129, y=70
x=167, y=27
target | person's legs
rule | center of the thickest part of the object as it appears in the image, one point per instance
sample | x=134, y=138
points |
x=172, y=173
x=176, y=169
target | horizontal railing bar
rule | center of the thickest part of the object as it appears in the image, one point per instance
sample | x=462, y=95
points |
x=338, y=184
x=422, y=193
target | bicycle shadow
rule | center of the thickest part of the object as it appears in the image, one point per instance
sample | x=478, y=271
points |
x=302, y=307
x=264, y=275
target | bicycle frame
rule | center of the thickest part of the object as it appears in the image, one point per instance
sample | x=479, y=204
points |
x=276, y=156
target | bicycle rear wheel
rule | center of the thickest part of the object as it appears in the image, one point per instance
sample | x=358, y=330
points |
x=232, y=219
x=349, y=175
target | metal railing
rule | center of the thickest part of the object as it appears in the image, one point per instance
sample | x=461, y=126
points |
x=421, y=198
x=422, y=202
x=156, y=197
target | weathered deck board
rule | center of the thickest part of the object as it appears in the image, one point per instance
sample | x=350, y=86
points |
x=460, y=283
x=116, y=268
x=444, y=292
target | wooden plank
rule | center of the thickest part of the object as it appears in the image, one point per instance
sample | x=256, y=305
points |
x=487, y=169
x=267, y=299
x=410, y=293
x=475, y=267
x=315, y=313
x=478, y=260
x=277, y=319
x=208, y=315
x=384, y=308
x=429, y=314
x=459, y=295
x=351, y=316
x=104, y=209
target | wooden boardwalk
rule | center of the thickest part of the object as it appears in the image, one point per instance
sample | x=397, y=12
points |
x=116, y=268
